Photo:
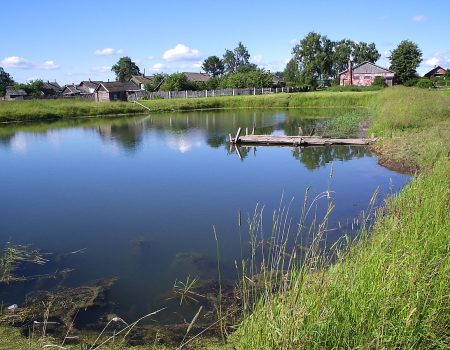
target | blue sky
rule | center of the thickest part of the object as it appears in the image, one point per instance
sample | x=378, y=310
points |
x=77, y=40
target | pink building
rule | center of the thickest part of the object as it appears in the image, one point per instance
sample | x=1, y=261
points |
x=364, y=74
x=437, y=71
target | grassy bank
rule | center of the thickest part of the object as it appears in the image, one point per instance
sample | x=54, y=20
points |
x=391, y=288
x=58, y=109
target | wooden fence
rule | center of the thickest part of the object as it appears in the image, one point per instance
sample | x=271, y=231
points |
x=146, y=95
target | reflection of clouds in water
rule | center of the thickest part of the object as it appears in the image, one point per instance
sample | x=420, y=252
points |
x=54, y=137
x=186, y=141
x=19, y=143
x=110, y=147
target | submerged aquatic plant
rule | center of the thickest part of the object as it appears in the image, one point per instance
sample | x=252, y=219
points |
x=14, y=256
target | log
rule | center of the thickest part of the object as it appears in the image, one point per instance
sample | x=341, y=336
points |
x=298, y=140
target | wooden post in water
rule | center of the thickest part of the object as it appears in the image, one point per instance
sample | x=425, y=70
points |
x=300, y=131
x=246, y=131
x=253, y=129
x=229, y=137
x=236, y=139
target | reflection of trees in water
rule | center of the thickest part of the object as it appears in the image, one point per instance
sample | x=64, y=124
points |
x=315, y=157
x=129, y=135
x=6, y=139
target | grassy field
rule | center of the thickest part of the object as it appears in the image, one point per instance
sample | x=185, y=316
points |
x=35, y=110
x=390, y=289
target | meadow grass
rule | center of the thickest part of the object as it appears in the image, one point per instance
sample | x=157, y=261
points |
x=390, y=287
x=64, y=108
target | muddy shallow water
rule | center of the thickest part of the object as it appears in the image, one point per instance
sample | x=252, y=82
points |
x=136, y=199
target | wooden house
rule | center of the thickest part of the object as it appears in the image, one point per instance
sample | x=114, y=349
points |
x=141, y=80
x=197, y=77
x=12, y=94
x=50, y=88
x=70, y=90
x=437, y=71
x=364, y=74
x=88, y=86
x=116, y=91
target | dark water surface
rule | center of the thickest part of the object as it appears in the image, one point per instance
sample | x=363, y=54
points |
x=139, y=193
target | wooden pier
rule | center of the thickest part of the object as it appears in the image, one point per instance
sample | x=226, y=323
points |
x=268, y=140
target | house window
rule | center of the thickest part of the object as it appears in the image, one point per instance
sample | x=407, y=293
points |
x=356, y=77
x=366, y=77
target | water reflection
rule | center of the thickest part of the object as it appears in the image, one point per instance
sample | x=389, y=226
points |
x=186, y=131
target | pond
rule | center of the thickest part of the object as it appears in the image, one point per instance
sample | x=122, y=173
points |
x=137, y=198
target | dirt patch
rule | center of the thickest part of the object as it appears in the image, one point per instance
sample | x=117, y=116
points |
x=402, y=166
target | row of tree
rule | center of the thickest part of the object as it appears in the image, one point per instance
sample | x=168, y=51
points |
x=317, y=58
x=32, y=88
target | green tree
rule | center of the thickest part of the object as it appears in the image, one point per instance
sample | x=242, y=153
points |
x=155, y=83
x=405, y=59
x=365, y=52
x=5, y=81
x=229, y=62
x=214, y=66
x=176, y=82
x=252, y=79
x=125, y=68
x=237, y=60
x=291, y=72
x=314, y=56
x=343, y=50
x=33, y=87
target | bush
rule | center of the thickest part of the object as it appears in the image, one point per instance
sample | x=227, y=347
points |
x=411, y=82
x=379, y=81
x=424, y=83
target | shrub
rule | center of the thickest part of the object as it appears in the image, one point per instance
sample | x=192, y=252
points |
x=424, y=83
x=379, y=81
x=411, y=82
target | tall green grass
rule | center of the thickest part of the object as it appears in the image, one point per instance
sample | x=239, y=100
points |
x=388, y=289
x=65, y=108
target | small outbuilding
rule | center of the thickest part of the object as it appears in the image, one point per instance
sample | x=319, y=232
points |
x=364, y=74
x=70, y=90
x=12, y=94
x=50, y=88
x=437, y=71
x=88, y=86
x=116, y=91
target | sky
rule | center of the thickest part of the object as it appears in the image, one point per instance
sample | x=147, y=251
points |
x=79, y=40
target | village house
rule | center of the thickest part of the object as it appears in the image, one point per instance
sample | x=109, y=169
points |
x=437, y=71
x=70, y=90
x=141, y=80
x=116, y=91
x=12, y=94
x=88, y=86
x=196, y=77
x=364, y=74
x=50, y=88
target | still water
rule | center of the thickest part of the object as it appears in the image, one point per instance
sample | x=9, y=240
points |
x=139, y=196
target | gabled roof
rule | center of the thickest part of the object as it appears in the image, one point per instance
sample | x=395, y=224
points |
x=70, y=89
x=190, y=76
x=368, y=68
x=91, y=84
x=51, y=86
x=117, y=86
x=142, y=79
x=13, y=92
x=433, y=71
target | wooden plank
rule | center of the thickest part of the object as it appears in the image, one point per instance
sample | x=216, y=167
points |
x=298, y=140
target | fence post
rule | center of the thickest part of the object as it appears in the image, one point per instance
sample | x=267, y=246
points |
x=262, y=91
x=206, y=93
x=233, y=92
x=214, y=93
x=169, y=94
x=254, y=91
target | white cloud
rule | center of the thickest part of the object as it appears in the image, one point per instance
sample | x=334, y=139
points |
x=108, y=52
x=17, y=62
x=197, y=64
x=386, y=54
x=150, y=57
x=293, y=41
x=158, y=67
x=48, y=65
x=439, y=59
x=419, y=18
x=102, y=69
x=181, y=53
x=257, y=59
